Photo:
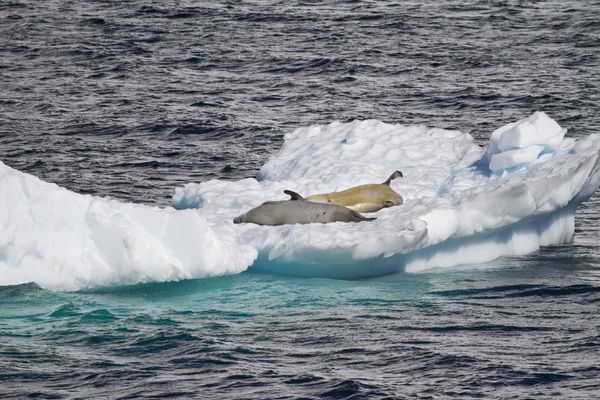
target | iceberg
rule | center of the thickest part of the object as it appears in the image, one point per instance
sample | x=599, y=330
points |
x=463, y=204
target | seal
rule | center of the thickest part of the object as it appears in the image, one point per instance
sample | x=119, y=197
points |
x=365, y=198
x=298, y=212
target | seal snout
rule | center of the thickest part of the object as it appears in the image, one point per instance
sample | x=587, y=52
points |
x=238, y=220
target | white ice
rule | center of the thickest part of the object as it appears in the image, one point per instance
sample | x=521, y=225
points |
x=463, y=204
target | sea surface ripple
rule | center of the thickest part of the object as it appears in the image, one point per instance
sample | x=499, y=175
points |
x=132, y=99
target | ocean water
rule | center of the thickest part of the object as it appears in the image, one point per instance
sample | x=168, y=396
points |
x=130, y=100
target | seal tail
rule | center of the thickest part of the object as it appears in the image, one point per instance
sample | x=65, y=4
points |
x=360, y=218
x=294, y=195
x=396, y=174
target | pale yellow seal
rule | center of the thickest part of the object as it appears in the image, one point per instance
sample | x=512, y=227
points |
x=364, y=198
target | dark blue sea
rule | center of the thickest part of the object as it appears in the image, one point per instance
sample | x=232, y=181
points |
x=132, y=99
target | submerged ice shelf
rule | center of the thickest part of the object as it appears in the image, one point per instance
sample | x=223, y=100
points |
x=462, y=204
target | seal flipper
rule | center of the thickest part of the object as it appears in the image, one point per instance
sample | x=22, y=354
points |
x=294, y=195
x=359, y=218
x=396, y=174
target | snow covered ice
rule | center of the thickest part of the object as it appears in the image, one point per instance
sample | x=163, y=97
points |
x=462, y=204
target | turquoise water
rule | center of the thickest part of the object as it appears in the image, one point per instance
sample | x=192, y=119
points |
x=133, y=99
x=526, y=323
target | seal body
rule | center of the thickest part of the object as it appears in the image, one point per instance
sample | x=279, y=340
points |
x=298, y=212
x=364, y=198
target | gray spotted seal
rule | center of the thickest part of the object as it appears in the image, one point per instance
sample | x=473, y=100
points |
x=298, y=212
